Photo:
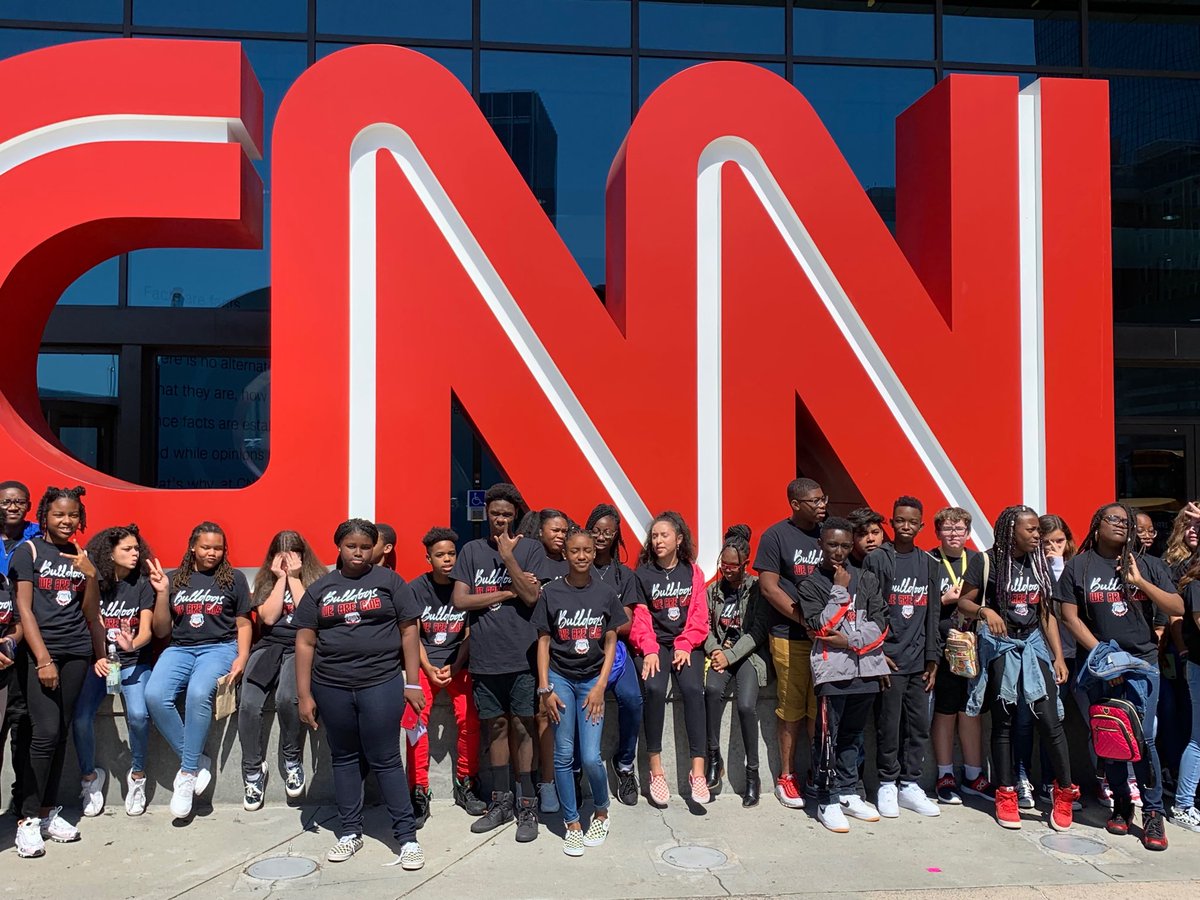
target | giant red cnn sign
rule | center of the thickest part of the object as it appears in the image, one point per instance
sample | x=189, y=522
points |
x=747, y=270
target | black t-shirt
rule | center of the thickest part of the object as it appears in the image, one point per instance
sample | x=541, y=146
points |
x=57, y=596
x=357, y=621
x=729, y=616
x=667, y=593
x=8, y=621
x=553, y=569
x=907, y=599
x=1022, y=610
x=284, y=630
x=1109, y=614
x=442, y=626
x=959, y=564
x=621, y=579
x=502, y=638
x=577, y=618
x=123, y=604
x=792, y=553
x=206, y=613
x=1191, y=606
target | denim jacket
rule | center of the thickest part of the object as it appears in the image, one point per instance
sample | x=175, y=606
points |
x=1021, y=670
x=1108, y=661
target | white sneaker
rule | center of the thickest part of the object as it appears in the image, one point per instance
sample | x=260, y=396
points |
x=91, y=793
x=412, y=857
x=181, y=800
x=346, y=847
x=833, y=818
x=912, y=797
x=30, y=843
x=1025, y=795
x=857, y=808
x=885, y=801
x=573, y=842
x=56, y=828
x=1185, y=817
x=596, y=833
x=203, y=774
x=135, y=797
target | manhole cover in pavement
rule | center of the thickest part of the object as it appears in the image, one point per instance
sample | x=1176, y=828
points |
x=1074, y=845
x=281, y=868
x=694, y=857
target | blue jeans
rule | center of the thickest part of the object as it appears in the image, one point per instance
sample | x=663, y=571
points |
x=137, y=717
x=1189, y=765
x=195, y=669
x=574, y=721
x=1148, y=767
x=627, y=690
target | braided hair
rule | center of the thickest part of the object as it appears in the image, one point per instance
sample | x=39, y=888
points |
x=1002, y=563
x=223, y=576
x=100, y=552
x=52, y=496
x=608, y=511
x=737, y=538
x=1131, y=547
x=687, y=549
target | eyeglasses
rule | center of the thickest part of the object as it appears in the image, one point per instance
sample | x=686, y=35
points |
x=596, y=532
x=17, y=503
x=816, y=501
x=954, y=529
x=1115, y=520
x=1146, y=532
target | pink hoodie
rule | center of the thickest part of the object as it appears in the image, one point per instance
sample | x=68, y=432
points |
x=695, y=628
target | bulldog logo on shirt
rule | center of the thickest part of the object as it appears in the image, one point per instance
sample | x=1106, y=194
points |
x=196, y=620
x=672, y=613
x=907, y=610
x=1120, y=608
x=63, y=598
x=439, y=637
x=111, y=635
x=353, y=618
x=1021, y=609
x=494, y=607
x=581, y=647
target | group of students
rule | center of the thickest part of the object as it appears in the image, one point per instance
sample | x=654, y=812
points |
x=529, y=628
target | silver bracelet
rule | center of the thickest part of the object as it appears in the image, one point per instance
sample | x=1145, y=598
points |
x=411, y=687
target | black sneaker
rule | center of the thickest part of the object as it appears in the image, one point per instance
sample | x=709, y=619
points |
x=466, y=795
x=253, y=791
x=627, y=785
x=499, y=811
x=1154, y=832
x=527, y=820
x=420, y=802
x=1119, y=819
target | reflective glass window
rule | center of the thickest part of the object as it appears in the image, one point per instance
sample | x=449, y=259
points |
x=22, y=40
x=1143, y=36
x=1155, y=126
x=235, y=279
x=448, y=19
x=77, y=375
x=1033, y=33
x=457, y=61
x=90, y=11
x=1024, y=79
x=749, y=27
x=213, y=420
x=654, y=71
x=259, y=15
x=601, y=23
x=562, y=119
x=882, y=31
x=1162, y=391
x=859, y=106
x=98, y=286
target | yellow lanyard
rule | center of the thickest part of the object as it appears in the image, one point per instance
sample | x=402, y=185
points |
x=955, y=580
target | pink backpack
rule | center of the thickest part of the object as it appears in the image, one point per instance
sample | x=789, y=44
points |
x=1117, y=731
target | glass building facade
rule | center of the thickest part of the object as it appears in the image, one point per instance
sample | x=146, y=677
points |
x=145, y=348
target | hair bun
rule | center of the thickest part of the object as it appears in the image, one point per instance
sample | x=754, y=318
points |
x=738, y=531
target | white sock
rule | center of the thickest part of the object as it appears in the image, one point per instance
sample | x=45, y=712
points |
x=972, y=772
x=945, y=770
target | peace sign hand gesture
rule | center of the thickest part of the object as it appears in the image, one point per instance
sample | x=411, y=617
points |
x=81, y=562
x=158, y=578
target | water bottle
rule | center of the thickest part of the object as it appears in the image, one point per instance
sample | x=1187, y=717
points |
x=113, y=683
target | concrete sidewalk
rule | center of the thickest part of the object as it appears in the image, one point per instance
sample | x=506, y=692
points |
x=768, y=851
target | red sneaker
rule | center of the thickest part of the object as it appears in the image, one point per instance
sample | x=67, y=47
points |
x=1119, y=818
x=785, y=790
x=1007, y=812
x=1062, y=812
x=1154, y=833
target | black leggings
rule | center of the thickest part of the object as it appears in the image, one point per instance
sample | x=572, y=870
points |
x=50, y=715
x=689, y=681
x=744, y=678
x=1046, y=717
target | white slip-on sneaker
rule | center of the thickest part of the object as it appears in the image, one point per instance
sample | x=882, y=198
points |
x=573, y=842
x=203, y=774
x=911, y=797
x=56, y=828
x=412, y=857
x=857, y=808
x=135, y=797
x=832, y=817
x=885, y=801
x=181, y=799
x=30, y=843
x=346, y=847
x=91, y=793
x=596, y=833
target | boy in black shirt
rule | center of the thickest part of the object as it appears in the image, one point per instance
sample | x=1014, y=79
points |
x=908, y=581
x=496, y=581
x=868, y=534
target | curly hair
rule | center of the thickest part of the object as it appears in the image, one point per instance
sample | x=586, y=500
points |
x=1177, y=549
x=100, y=551
x=52, y=496
x=311, y=568
x=437, y=534
x=687, y=548
x=223, y=575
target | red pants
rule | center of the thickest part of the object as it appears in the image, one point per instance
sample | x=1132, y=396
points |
x=467, y=762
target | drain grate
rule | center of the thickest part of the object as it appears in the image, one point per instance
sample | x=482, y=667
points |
x=1074, y=844
x=281, y=868
x=694, y=857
